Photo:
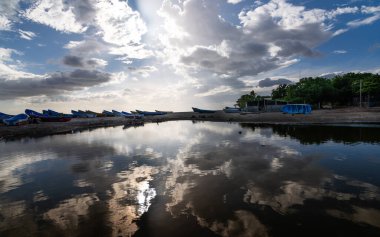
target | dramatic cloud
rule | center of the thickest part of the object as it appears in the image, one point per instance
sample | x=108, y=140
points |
x=8, y=13
x=53, y=84
x=267, y=82
x=56, y=14
x=270, y=36
x=76, y=61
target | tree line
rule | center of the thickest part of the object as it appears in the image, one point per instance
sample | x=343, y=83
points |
x=340, y=90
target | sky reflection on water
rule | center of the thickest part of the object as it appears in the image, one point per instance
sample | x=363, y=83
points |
x=193, y=179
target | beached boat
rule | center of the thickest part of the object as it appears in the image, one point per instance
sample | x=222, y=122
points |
x=96, y=114
x=108, y=113
x=88, y=115
x=46, y=118
x=19, y=119
x=296, y=109
x=117, y=113
x=197, y=110
x=50, y=112
x=231, y=110
x=130, y=115
x=148, y=113
x=5, y=116
x=165, y=112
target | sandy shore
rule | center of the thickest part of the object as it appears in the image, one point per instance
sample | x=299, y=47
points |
x=336, y=116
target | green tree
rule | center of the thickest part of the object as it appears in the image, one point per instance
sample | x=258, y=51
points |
x=279, y=92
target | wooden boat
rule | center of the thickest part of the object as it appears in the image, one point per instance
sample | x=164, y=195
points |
x=108, y=113
x=5, y=116
x=231, y=110
x=46, y=118
x=166, y=112
x=87, y=115
x=50, y=112
x=296, y=109
x=19, y=119
x=130, y=115
x=117, y=113
x=97, y=114
x=204, y=111
x=148, y=113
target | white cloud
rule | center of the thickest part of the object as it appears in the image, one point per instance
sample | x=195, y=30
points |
x=8, y=13
x=11, y=69
x=56, y=14
x=365, y=21
x=28, y=35
x=340, y=51
x=234, y=1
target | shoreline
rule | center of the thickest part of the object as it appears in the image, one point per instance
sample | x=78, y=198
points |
x=346, y=116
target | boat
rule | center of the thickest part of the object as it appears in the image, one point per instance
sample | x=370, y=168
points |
x=148, y=113
x=117, y=113
x=78, y=114
x=130, y=115
x=108, y=113
x=296, y=109
x=97, y=114
x=50, y=112
x=5, y=116
x=46, y=118
x=19, y=119
x=204, y=111
x=231, y=110
x=166, y=112
x=87, y=115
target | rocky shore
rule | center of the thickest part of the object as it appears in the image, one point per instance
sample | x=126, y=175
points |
x=335, y=116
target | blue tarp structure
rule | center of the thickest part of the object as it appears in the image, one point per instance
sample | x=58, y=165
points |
x=296, y=109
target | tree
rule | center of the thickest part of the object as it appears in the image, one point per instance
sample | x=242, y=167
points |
x=279, y=92
x=242, y=101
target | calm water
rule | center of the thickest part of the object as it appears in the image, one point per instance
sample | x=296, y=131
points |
x=193, y=179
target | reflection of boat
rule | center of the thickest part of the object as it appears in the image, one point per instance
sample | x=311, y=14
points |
x=46, y=118
x=148, y=113
x=17, y=120
x=203, y=110
x=296, y=109
x=231, y=110
x=133, y=123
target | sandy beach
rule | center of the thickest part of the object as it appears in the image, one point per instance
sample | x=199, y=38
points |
x=333, y=116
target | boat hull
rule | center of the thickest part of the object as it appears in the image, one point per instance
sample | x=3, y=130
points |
x=17, y=120
x=203, y=111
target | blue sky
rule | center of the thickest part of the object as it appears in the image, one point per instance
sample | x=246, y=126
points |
x=174, y=54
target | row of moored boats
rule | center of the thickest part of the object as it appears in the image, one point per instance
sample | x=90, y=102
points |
x=53, y=116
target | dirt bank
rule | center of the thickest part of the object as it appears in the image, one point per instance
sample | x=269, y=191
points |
x=336, y=116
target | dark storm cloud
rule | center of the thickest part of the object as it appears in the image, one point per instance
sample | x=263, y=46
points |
x=53, y=84
x=76, y=61
x=267, y=82
x=73, y=61
x=84, y=10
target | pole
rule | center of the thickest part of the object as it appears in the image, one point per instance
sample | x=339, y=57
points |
x=360, y=92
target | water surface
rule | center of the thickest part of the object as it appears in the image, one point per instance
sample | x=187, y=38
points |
x=193, y=179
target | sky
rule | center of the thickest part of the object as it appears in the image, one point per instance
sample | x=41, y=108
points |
x=175, y=54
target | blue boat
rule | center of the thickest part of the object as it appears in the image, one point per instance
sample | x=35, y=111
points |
x=231, y=110
x=203, y=111
x=50, y=112
x=148, y=113
x=130, y=115
x=117, y=113
x=296, y=109
x=5, y=116
x=17, y=120
x=108, y=113
x=46, y=118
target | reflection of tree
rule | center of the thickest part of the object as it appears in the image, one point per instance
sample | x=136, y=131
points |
x=313, y=134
